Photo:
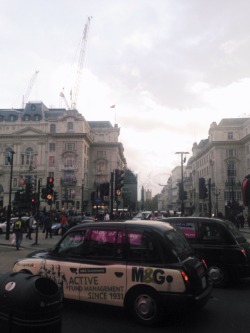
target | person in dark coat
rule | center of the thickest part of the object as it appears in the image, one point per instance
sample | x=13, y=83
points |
x=48, y=225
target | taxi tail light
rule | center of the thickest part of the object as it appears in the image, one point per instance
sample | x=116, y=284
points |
x=185, y=277
x=243, y=251
x=204, y=263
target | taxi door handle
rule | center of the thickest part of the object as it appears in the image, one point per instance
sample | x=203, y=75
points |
x=119, y=274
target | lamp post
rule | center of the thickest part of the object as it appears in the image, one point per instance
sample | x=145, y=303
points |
x=10, y=159
x=216, y=193
x=182, y=181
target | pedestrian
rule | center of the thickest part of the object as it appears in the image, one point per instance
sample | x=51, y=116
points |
x=241, y=220
x=30, y=226
x=106, y=217
x=48, y=225
x=18, y=229
x=64, y=224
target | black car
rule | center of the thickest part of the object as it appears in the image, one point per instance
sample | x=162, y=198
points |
x=146, y=267
x=225, y=249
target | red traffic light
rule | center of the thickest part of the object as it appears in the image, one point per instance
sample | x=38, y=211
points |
x=33, y=200
x=50, y=180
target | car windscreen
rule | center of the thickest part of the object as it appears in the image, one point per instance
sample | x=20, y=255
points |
x=235, y=232
x=179, y=244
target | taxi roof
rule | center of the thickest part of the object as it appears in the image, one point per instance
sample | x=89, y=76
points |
x=154, y=224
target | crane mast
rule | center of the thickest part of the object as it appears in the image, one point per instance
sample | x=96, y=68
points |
x=30, y=86
x=74, y=94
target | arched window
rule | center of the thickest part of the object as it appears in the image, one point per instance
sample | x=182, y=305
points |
x=28, y=158
x=7, y=157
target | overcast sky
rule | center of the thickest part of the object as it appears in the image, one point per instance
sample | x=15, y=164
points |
x=171, y=68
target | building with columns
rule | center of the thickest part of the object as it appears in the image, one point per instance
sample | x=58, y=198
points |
x=54, y=142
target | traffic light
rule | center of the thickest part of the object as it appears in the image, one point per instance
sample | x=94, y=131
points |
x=202, y=188
x=119, y=181
x=33, y=201
x=49, y=199
x=44, y=193
x=182, y=193
x=55, y=196
x=50, y=183
x=49, y=190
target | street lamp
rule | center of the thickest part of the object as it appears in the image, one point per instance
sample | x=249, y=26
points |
x=216, y=193
x=10, y=160
x=182, y=182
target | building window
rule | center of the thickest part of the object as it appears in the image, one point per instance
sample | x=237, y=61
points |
x=231, y=171
x=69, y=162
x=230, y=135
x=101, y=154
x=37, y=117
x=51, y=161
x=12, y=118
x=28, y=158
x=71, y=193
x=52, y=146
x=101, y=166
x=70, y=126
x=52, y=128
x=231, y=152
x=26, y=117
x=101, y=137
x=70, y=146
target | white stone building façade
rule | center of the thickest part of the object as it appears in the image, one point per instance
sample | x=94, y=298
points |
x=223, y=160
x=49, y=142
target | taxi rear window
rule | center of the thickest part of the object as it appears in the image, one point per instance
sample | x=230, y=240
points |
x=178, y=243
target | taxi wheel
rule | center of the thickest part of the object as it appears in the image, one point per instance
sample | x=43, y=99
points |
x=218, y=275
x=144, y=305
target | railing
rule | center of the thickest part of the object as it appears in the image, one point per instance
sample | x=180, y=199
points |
x=69, y=181
x=67, y=167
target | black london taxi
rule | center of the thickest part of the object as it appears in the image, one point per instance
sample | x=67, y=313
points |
x=146, y=267
x=220, y=243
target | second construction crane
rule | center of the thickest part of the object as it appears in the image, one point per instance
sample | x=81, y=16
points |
x=74, y=94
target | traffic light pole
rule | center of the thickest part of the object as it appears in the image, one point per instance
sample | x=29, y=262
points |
x=182, y=181
x=112, y=193
x=209, y=198
x=10, y=190
x=37, y=212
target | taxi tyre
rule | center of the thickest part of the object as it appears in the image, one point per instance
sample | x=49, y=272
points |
x=144, y=306
x=218, y=274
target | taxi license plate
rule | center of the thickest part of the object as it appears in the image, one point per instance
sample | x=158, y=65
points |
x=203, y=282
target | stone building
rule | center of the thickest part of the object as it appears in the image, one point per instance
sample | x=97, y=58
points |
x=223, y=160
x=58, y=143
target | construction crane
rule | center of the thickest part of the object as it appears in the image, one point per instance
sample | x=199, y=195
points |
x=30, y=86
x=75, y=92
x=65, y=100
